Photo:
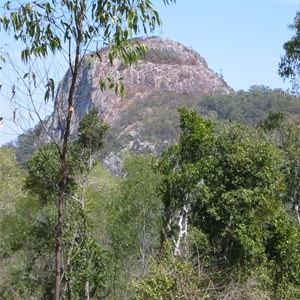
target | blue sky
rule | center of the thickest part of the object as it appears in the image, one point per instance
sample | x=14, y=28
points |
x=242, y=39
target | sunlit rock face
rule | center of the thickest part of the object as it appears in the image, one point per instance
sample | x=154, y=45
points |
x=169, y=71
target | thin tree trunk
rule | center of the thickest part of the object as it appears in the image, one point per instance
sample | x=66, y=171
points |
x=64, y=167
x=87, y=290
x=183, y=229
x=61, y=199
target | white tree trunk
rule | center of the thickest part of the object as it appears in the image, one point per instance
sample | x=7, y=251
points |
x=183, y=228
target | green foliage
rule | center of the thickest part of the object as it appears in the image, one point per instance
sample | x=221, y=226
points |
x=135, y=224
x=87, y=263
x=171, y=278
x=284, y=256
x=102, y=189
x=289, y=65
x=273, y=121
x=16, y=226
x=233, y=185
x=114, y=22
x=241, y=243
x=148, y=116
x=285, y=132
x=54, y=26
x=44, y=173
x=91, y=131
x=291, y=148
x=84, y=261
x=251, y=107
x=33, y=242
x=10, y=180
x=15, y=205
x=26, y=145
x=17, y=223
x=155, y=118
x=34, y=23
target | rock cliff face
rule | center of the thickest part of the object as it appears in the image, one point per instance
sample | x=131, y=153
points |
x=169, y=71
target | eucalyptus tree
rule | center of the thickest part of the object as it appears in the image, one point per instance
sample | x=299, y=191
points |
x=285, y=132
x=183, y=167
x=82, y=262
x=289, y=67
x=227, y=187
x=74, y=29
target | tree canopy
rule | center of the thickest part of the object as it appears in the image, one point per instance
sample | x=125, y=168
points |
x=229, y=186
x=289, y=67
x=74, y=28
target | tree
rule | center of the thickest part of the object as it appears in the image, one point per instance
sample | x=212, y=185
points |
x=182, y=166
x=289, y=67
x=136, y=218
x=228, y=187
x=18, y=211
x=43, y=180
x=285, y=133
x=73, y=29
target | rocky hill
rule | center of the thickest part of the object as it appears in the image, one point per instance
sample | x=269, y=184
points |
x=170, y=76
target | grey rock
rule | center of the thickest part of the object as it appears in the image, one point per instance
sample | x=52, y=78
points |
x=168, y=67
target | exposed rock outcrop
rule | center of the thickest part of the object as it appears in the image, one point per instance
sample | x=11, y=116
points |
x=169, y=67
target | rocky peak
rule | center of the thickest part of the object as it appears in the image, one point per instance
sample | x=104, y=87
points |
x=169, y=67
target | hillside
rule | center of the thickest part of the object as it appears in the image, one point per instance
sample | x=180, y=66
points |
x=222, y=183
x=168, y=69
x=170, y=76
x=168, y=66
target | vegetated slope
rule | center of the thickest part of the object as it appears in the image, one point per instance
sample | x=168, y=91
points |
x=170, y=76
x=152, y=123
x=169, y=67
